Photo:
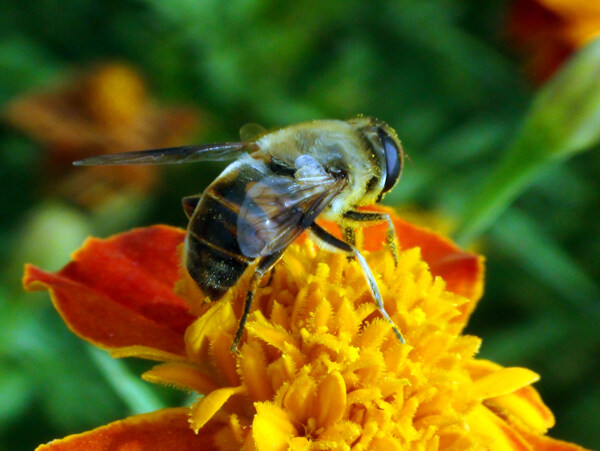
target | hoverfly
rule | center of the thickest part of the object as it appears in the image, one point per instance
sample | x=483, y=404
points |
x=279, y=184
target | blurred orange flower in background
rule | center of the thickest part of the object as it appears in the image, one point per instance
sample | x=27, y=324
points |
x=548, y=31
x=106, y=109
x=318, y=368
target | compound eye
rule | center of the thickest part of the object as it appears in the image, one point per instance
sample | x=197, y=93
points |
x=393, y=160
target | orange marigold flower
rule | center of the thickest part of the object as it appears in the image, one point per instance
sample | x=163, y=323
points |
x=318, y=367
x=105, y=109
x=548, y=31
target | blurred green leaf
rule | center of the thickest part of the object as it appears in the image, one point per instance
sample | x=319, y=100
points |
x=582, y=419
x=24, y=64
x=119, y=213
x=563, y=120
x=15, y=391
x=48, y=236
x=63, y=383
x=520, y=237
x=137, y=394
x=532, y=338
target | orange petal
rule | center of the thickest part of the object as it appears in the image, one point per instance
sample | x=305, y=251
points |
x=160, y=430
x=99, y=319
x=462, y=271
x=547, y=32
x=119, y=291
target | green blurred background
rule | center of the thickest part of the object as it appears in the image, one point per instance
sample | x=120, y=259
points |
x=84, y=77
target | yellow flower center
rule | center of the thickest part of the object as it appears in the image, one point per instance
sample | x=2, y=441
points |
x=320, y=369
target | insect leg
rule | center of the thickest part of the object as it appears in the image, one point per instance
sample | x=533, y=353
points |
x=263, y=266
x=372, y=216
x=334, y=242
x=350, y=238
x=350, y=235
x=271, y=274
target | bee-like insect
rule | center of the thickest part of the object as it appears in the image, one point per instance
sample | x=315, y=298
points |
x=277, y=187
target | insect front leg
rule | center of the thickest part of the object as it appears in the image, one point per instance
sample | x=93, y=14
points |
x=372, y=216
x=350, y=235
x=263, y=267
x=331, y=241
x=350, y=238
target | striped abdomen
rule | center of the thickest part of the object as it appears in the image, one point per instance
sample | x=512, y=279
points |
x=213, y=256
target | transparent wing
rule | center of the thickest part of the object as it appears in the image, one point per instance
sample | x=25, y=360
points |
x=251, y=132
x=172, y=155
x=277, y=209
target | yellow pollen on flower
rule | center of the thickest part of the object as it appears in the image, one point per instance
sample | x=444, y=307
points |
x=318, y=368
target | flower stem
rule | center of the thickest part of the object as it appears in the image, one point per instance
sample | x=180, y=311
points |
x=511, y=178
x=564, y=119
